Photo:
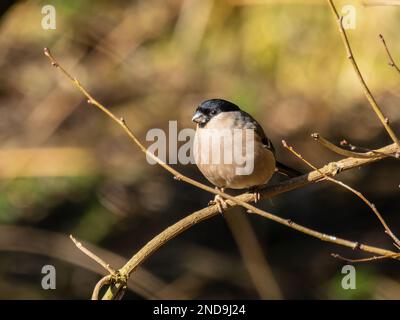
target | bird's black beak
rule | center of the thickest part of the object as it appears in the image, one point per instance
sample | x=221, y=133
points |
x=199, y=117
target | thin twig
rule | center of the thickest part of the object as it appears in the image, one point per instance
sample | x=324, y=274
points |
x=367, y=92
x=391, y=61
x=395, y=155
x=357, y=193
x=91, y=255
x=113, y=275
x=347, y=153
x=194, y=218
x=374, y=258
x=365, y=154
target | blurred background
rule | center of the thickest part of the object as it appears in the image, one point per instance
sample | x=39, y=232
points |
x=67, y=169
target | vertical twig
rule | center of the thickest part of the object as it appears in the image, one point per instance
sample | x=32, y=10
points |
x=367, y=92
x=391, y=61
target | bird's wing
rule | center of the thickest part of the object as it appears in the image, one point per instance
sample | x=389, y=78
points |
x=253, y=124
x=280, y=167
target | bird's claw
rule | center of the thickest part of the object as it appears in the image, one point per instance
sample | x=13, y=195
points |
x=257, y=196
x=255, y=191
x=220, y=202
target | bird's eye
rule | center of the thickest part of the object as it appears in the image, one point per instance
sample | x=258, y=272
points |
x=213, y=112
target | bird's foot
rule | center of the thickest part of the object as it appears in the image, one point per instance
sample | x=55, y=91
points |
x=256, y=193
x=220, y=202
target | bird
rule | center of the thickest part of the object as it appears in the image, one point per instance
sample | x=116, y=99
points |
x=223, y=131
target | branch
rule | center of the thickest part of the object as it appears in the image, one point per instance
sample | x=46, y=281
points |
x=113, y=277
x=367, y=92
x=391, y=61
x=367, y=153
x=343, y=152
x=357, y=193
x=344, y=142
x=196, y=217
x=91, y=255
x=374, y=258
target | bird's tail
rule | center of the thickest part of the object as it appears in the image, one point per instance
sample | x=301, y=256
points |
x=287, y=171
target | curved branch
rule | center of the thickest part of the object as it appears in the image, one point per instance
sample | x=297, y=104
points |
x=391, y=60
x=102, y=282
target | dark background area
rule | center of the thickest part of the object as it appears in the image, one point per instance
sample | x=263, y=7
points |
x=67, y=169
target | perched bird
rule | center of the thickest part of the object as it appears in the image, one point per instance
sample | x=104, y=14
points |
x=225, y=133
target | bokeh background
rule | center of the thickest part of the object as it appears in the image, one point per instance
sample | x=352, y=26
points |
x=67, y=169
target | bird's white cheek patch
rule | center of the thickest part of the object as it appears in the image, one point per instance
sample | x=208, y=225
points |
x=226, y=147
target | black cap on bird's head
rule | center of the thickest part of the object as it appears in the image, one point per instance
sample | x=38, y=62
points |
x=210, y=108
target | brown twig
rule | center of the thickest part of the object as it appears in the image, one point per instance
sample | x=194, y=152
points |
x=374, y=258
x=367, y=92
x=365, y=154
x=113, y=277
x=91, y=255
x=343, y=152
x=391, y=61
x=395, y=155
x=196, y=217
x=357, y=193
